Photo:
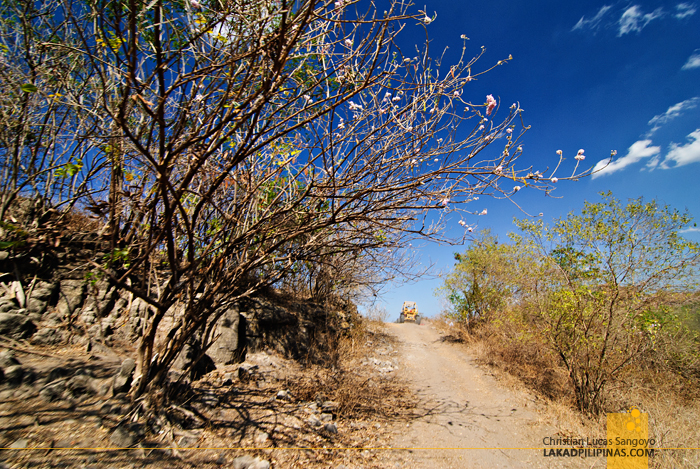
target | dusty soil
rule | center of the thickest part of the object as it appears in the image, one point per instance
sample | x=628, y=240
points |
x=464, y=418
x=406, y=398
x=219, y=419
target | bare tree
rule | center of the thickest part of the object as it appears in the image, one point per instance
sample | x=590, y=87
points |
x=45, y=131
x=245, y=139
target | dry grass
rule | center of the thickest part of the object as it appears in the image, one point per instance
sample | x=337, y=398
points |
x=243, y=412
x=358, y=391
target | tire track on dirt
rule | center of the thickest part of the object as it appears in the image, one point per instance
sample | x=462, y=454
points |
x=462, y=407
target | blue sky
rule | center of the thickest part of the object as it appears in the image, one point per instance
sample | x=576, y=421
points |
x=599, y=76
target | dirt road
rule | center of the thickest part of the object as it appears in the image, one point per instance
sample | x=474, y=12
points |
x=461, y=407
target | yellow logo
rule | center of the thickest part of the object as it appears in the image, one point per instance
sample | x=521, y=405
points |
x=629, y=446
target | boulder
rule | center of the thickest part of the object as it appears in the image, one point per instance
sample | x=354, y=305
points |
x=330, y=428
x=71, y=296
x=41, y=296
x=122, y=380
x=49, y=336
x=229, y=348
x=246, y=372
x=191, y=358
x=81, y=386
x=122, y=437
x=14, y=374
x=7, y=358
x=53, y=392
x=43, y=291
x=7, y=305
x=16, y=326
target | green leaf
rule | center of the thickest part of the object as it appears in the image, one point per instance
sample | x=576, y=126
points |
x=29, y=88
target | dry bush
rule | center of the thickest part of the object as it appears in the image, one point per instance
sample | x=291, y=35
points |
x=354, y=386
x=651, y=383
x=509, y=346
x=376, y=313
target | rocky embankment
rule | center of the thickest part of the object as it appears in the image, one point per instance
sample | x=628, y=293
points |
x=67, y=342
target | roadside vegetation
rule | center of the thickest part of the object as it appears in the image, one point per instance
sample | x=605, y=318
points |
x=598, y=311
x=216, y=149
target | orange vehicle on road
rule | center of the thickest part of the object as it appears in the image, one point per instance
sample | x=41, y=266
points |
x=409, y=312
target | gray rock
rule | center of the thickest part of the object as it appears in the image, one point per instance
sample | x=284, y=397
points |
x=57, y=372
x=71, y=296
x=43, y=291
x=34, y=317
x=81, y=386
x=228, y=379
x=249, y=462
x=16, y=326
x=14, y=374
x=119, y=305
x=188, y=441
x=52, y=319
x=36, y=306
x=330, y=428
x=128, y=367
x=88, y=316
x=122, y=438
x=139, y=308
x=7, y=305
x=7, y=358
x=326, y=417
x=261, y=438
x=186, y=360
x=101, y=299
x=229, y=348
x=53, y=392
x=122, y=381
x=21, y=443
x=246, y=371
x=49, y=336
x=283, y=395
x=314, y=421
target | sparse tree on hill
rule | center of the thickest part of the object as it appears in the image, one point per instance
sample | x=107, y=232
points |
x=241, y=140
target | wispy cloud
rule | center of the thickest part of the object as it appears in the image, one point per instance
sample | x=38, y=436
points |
x=638, y=151
x=594, y=22
x=692, y=229
x=681, y=155
x=631, y=18
x=693, y=61
x=684, y=10
x=634, y=20
x=672, y=112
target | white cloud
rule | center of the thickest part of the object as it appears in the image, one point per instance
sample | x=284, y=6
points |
x=634, y=20
x=672, y=112
x=693, y=61
x=684, y=10
x=639, y=150
x=693, y=229
x=593, y=22
x=681, y=155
